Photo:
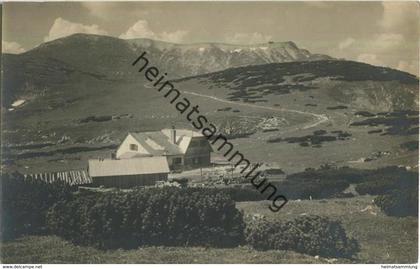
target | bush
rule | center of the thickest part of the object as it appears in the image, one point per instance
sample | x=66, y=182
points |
x=314, y=187
x=384, y=184
x=312, y=235
x=241, y=194
x=410, y=145
x=375, y=187
x=164, y=216
x=329, y=182
x=326, y=182
x=399, y=203
x=25, y=203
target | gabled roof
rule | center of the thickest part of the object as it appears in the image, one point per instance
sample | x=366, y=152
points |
x=159, y=143
x=156, y=143
x=125, y=167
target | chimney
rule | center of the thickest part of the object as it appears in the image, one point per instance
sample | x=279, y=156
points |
x=173, y=135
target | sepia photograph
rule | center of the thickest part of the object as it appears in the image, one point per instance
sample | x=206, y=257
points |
x=209, y=132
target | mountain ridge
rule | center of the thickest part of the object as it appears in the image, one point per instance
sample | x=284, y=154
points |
x=80, y=59
x=166, y=43
x=110, y=58
x=178, y=60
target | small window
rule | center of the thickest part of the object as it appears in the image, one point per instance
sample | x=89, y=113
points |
x=177, y=161
x=134, y=147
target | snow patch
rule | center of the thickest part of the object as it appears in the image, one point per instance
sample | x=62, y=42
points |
x=18, y=102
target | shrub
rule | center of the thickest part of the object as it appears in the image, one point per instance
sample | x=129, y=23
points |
x=241, y=194
x=375, y=187
x=410, y=145
x=312, y=235
x=325, y=182
x=164, y=216
x=399, y=203
x=329, y=182
x=312, y=187
x=25, y=203
x=350, y=175
x=385, y=184
x=274, y=171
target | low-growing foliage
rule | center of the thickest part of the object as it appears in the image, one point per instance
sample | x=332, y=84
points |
x=330, y=182
x=399, y=203
x=25, y=203
x=312, y=235
x=312, y=188
x=164, y=216
x=410, y=145
x=242, y=194
x=385, y=185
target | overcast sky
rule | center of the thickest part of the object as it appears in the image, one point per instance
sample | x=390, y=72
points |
x=380, y=33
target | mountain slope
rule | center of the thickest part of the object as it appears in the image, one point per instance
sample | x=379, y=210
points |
x=193, y=59
x=346, y=110
x=109, y=58
x=355, y=84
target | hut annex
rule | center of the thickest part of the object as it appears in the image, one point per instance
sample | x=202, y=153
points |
x=127, y=173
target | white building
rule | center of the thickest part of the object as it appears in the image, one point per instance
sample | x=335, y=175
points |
x=182, y=148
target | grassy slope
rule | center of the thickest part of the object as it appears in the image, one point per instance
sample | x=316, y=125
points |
x=151, y=111
x=383, y=239
x=293, y=157
x=60, y=109
x=51, y=249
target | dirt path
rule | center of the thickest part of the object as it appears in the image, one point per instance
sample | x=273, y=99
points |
x=319, y=118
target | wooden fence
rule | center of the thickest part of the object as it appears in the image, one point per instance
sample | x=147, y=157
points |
x=75, y=177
